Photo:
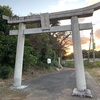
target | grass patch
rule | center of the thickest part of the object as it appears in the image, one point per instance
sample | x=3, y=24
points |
x=90, y=71
x=93, y=68
x=92, y=64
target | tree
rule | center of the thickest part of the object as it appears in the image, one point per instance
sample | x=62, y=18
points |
x=60, y=44
x=41, y=43
x=4, y=26
x=85, y=53
x=7, y=49
x=6, y=42
x=42, y=47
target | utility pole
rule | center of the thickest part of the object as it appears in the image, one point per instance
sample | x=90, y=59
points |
x=89, y=48
x=93, y=46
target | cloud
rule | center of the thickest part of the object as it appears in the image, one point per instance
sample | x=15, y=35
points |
x=62, y=5
x=66, y=1
x=70, y=43
x=97, y=33
x=84, y=40
x=98, y=47
x=95, y=19
x=90, y=2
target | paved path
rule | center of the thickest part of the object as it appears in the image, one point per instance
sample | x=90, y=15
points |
x=58, y=86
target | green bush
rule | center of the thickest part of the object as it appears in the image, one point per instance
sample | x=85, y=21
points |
x=5, y=72
x=43, y=65
x=92, y=64
x=29, y=59
x=68, y=63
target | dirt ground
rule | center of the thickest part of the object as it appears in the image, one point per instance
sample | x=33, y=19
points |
x=7, y=94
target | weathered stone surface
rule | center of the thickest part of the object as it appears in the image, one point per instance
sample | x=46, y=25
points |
x=85, y=93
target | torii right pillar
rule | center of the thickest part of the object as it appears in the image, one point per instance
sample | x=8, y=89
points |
x=81, y=89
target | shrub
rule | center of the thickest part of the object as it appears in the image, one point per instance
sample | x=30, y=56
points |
x=43, y=65
x=5, y=72
x=92, y=64
x=68, y=63
x=29, y=59
x=54, y=63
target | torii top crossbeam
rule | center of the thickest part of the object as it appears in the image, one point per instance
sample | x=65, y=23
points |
x=81, y=12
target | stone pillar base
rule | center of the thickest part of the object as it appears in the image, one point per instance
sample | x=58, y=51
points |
x=86, y=93
x=18, y=87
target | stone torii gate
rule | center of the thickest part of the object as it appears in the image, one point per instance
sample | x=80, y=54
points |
x=45, y=19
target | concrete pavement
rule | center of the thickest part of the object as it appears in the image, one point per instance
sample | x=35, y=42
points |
x=58, y=86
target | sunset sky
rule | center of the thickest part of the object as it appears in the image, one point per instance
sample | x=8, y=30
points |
x=95, y=19
x=25, y=7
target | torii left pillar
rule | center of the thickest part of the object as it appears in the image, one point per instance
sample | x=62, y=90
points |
x=19, y=57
